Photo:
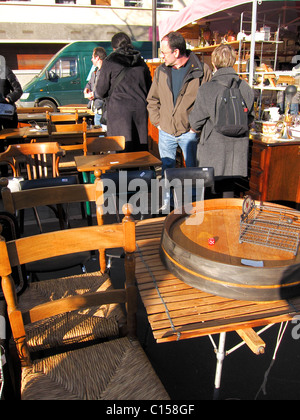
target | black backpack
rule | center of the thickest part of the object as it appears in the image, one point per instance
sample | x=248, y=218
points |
x=232, y=112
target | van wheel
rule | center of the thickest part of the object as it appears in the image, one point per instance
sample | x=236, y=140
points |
x=48, y=103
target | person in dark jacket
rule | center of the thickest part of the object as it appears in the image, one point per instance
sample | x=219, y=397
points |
x=10, y=92
x=126, y=107
x=228, y=156
x=99, y=55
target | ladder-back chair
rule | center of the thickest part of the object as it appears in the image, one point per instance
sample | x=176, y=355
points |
x=71, y=285
x=115, y=369
x=69, y=136
x=41, y=161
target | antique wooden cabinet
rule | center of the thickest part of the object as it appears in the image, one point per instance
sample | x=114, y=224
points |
x=274, y=171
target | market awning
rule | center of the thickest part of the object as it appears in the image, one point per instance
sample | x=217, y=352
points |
x=198, y=9
x=229, y=10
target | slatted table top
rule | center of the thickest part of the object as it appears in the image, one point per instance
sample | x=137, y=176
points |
x=124, y=160
x=177, y=311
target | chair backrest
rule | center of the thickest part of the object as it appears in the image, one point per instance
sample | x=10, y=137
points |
x=25, y=199
x=41, y=159
x=34, y=110
x=47, y=245
x=62, y=117
x=70, y=136
x=105, y=144
x=185, y=183
x=64, y=194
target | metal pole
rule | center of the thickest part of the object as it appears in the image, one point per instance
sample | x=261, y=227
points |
x=154, y=40
x=240, y=42
x=276, y=40
x=252, y=47
x=220, y=358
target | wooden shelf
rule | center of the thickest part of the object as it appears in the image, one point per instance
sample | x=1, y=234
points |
x=210, y=48
x=234, y=44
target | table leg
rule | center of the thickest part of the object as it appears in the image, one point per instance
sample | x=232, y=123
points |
x=220, y=355
x=87, y=178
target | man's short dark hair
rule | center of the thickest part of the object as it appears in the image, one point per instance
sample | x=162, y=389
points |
x=120, y=40
x=100, y=52
x=176, y=42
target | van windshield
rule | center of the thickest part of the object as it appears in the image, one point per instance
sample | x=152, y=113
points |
x=93, y=68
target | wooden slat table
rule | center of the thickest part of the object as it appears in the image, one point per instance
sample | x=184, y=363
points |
x=177, y=311
x=124, y=160
x=192, y=312
x=28, y=133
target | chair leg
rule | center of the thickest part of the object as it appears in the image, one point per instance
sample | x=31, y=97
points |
x=62, y=216
x=22, y=217
x=37, y=219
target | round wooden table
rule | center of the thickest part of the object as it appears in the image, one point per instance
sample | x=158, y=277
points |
x=224, y=266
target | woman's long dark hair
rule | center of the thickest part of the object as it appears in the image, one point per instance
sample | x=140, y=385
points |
x=121, y=40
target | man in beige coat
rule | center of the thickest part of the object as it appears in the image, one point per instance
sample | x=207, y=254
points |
x=171, y=98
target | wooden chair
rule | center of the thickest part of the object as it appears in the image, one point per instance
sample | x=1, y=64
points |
x=97, y=145
x=41, y=161
x=40, y=291
x=77, y=138
x=56, y=195
x=62, y=117
x=176, y=177
x=16, y=201
x=115, y=369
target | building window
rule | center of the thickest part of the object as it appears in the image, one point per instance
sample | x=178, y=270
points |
x=65, y=1
x=165, y=4
x=133, y=3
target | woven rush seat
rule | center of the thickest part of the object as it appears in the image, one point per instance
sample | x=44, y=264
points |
x=94, y=323
x=114, y=370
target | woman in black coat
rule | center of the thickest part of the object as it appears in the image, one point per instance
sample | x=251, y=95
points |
x=127, y=106
x=10, y=92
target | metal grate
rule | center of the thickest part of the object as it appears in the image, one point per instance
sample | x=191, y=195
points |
x=271, y=226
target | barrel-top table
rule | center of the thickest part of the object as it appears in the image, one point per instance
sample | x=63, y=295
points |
x=204, y=251
x=178, y=311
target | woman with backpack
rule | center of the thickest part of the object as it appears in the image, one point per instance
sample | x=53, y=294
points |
x=224, y=124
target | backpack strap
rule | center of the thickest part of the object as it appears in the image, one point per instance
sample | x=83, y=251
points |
x=118, y=79
x=233, y=81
